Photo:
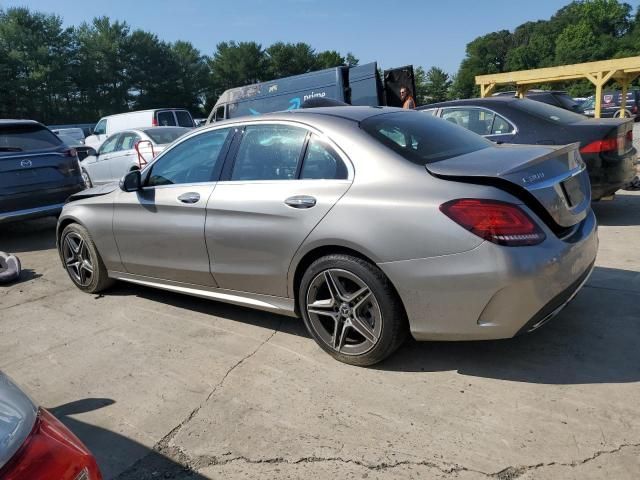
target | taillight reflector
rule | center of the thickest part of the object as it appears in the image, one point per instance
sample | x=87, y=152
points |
x=499, y=222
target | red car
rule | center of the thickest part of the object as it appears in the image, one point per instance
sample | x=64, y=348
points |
x=36, y=445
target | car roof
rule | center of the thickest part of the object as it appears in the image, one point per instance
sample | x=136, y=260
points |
x=349, y=112
x=9, y=121
x=499, y=100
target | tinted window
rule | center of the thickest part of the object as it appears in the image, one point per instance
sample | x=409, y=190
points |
x=22, y=138
x=478, y=120
x=268, y=152
x=501, y=126
x=547, y=112
x=109, y=145
x=184, y=118
x=162, y=136
x=195, y=160
x=429, y=111
x=425, y=139
x=101, y=127
x=322, y=162
x=166, y=119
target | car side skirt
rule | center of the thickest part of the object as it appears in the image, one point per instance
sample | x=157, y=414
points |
x=280, y=305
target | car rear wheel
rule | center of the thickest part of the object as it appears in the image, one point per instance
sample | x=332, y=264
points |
x=625, y=114
x=82, y=260
x=351, y=310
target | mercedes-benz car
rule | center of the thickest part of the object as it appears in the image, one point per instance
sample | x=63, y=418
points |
x=367, y=222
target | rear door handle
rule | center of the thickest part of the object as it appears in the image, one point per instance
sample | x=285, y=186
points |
x=301, y=201
x=189, y=197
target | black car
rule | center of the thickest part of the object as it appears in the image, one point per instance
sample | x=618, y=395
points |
x=557, y=98
x=606, y=145
x=37, y=171
x=611, y=105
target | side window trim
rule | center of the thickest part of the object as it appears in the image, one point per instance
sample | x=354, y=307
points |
x=303, y=155
x=232, y=153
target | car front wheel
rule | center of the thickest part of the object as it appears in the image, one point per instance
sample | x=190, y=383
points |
x=82, y=261
x=351, y=309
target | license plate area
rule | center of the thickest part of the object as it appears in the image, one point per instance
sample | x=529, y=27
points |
x=573, y=191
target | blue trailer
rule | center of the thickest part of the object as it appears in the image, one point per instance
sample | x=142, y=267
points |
x=357, y=85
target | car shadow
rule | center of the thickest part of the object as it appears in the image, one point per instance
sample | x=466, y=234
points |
x=593, y=340
x=119, y=457
x=26, y=274
x=249, y=316
x=623, y=210
x=28, y=235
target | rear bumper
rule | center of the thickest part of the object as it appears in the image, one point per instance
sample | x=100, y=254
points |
x=23, y=206
x=608, y=175
x=493, y=292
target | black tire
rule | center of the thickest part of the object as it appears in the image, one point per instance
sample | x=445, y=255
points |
x=87, y=179
x=393, y=323
x=98, y=280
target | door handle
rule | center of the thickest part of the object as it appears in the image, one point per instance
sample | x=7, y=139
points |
x=189, y=197
x=301, y=201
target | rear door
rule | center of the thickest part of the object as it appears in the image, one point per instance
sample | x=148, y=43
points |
x=160, y=228
x=281, y=183
x=125, y=155
x=100, y=170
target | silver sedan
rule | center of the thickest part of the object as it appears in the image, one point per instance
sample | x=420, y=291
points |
x=125, y=151
x=369, y=223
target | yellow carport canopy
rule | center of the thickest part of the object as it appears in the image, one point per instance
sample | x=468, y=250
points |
x=623, y=70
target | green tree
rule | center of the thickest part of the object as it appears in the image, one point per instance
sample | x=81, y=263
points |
x=437, y=84
x=286, y=59
x=236, y=64
x=329, y=59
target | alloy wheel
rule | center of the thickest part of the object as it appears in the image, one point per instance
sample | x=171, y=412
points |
x=77, y=259
x=344, y=312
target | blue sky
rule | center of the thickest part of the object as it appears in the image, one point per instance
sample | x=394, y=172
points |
x=423, y=32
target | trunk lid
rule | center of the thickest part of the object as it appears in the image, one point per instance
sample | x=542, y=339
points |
x=552, y=181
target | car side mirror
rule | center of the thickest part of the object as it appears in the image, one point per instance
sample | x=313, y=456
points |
x=131, y=182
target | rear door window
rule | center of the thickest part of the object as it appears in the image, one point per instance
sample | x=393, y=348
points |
x=127, y=141
x=421, y=138
x=501, y=126
x=24, y=138
x=166, y=119
x=478, y=120
x=184, y=118
x=269, y=152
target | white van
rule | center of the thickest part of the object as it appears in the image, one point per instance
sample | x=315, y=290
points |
x=163, y=117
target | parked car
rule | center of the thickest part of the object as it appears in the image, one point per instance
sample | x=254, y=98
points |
x=126, y=151
x=557, y=98
x=87, y=128
x=76, y=133
x=606, y=145
x=611, y=102
x=162, y=117
x=36, y=445
x=367, y=222
x=37, y=171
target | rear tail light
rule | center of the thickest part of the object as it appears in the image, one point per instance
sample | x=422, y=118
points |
x=154, y=122
x=51, y=451
x=72, y=152
x=498, y=222
x=606, y=145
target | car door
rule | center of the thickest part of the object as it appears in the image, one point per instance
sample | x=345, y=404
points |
x=125, y=155
x=100, y=170
x=282, y=181
x=159, y=229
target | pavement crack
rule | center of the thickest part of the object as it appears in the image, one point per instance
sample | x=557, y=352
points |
x=164, y=447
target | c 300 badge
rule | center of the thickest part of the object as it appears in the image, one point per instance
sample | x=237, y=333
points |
x=533, y=178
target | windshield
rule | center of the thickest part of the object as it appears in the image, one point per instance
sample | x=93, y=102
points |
x=422, y=138
x=23, y=138
x=547, y=112
x=162, y=136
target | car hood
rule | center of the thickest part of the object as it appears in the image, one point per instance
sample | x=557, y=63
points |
x=94, y=192
x=18, y=415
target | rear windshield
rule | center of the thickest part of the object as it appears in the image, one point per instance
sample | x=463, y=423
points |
x=184, y=118
x=422, y=138
x=161, y=136
x=23, y=138
x=547, y=112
